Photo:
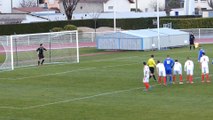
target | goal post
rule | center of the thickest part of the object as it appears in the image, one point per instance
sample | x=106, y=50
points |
x=20, y=50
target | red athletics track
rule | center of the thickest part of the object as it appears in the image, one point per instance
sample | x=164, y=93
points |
x=53, y=46
x=81, y=44
x=204, y=40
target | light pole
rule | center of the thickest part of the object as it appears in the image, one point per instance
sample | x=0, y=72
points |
x=136, y=4
x=114, y=15
x=158, y=24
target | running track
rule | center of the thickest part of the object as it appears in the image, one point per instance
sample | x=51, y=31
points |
x=81, y=45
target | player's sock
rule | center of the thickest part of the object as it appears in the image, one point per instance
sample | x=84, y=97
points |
x=164, y=79
x=170, y=79
x=181, y=78
x=146, y=85
x=202, y=76
x=174, y=78
x=42, y=61
x=191, y=79
x=154, y=77
x=207, y=78
x=39, y=62
x=159, y=79
x=187, y=78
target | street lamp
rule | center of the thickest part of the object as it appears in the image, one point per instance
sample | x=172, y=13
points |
x=158, y=24
x=114, y=15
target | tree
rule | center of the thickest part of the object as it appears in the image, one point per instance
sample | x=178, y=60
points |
x=153, y=5
x=210, y=3
x=28, y=3
x=69, y=6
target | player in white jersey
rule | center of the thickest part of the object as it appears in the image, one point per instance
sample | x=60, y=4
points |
x=161, y=72
x=204, y=63
x=189, y=68
x=177, y=70
x=146, y=77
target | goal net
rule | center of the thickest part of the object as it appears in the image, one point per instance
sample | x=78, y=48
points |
x=20, y=50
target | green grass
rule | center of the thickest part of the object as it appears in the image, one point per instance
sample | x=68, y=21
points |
x=104, y=87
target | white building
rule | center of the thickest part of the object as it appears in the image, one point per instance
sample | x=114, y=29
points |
x=89, y=6
x=5, y=6
x=148, y=5
x=202, y=5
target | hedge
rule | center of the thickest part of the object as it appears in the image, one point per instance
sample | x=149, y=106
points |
x=137, y=23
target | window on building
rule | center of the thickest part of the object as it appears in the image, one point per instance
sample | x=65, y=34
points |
x=41, y=1
x=202, y=9
x=110, y=7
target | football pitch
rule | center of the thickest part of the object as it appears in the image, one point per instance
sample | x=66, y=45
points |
x=105, y=85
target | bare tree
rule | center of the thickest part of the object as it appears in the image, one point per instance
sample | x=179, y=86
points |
x=69, y=6
x=28, y=3
x=210, y=3
x=153, y=5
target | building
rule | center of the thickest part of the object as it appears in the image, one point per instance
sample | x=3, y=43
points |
x=202, y=5
x=5, y=6
x=148, y=5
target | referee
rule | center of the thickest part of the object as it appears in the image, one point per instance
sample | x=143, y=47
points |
x=151, y=64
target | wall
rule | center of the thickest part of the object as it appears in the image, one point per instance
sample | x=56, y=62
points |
x=89, y=8
x=124, y=7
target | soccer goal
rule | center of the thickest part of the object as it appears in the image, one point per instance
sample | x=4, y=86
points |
x=20, y=50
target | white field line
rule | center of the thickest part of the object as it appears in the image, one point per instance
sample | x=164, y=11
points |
x=59, y=73
x=121, y=58
x=45, y=75
x=74, y=99
x=68, y=100
x=65, y=72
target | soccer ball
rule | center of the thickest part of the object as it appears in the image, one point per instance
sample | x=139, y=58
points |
x=196, y=45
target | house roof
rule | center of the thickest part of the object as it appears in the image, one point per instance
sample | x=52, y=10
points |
x=30, y=9
x=100, y=1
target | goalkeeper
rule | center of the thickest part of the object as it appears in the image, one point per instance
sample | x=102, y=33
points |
x=40, y=52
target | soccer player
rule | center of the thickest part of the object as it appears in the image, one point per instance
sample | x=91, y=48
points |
x=151, y=63
x=177, y=71
x=204, y=61
x=168, y=64
x=191, y=41
x=146, y=77
x=200, y=53
x=189, y=68
x=40, y=52
x=161, y=72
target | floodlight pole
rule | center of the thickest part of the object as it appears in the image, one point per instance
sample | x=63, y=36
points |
x=158, y=24
x=114, y=14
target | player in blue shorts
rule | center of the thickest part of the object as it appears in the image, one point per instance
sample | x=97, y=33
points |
x=200, y=53
x=169, y=63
